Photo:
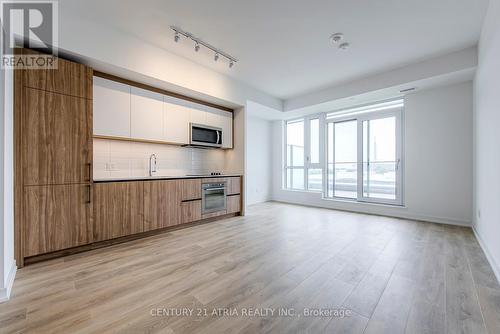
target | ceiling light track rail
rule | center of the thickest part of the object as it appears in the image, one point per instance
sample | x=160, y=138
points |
x=217, y=52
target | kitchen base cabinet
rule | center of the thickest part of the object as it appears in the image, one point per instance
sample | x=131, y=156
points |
x=191, y=189
x=234, y=185
x=162, y=204
x=118, y=209
x=191, y=211
x=233, y=204
x=56, y=217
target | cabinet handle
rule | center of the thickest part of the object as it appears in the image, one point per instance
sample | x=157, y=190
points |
x=89, y=166
x=89, y=194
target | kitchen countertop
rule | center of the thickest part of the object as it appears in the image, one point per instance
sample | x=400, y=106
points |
x=150, y=178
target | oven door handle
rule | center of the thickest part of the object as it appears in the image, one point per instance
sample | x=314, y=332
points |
x=214, y=189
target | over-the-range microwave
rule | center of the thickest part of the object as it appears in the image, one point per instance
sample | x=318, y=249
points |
x=205, y=136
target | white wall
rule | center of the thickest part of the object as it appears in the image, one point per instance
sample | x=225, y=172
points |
x=7, y=263
x=438, y=160
x=259, y=160
x=487, y=138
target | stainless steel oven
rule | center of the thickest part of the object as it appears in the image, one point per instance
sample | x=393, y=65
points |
x=213, y=197
x=205, y=136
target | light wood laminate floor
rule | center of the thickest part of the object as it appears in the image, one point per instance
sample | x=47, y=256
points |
x=393, y=275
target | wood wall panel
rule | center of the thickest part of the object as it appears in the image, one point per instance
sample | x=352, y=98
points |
x=57, y=141
x=162, y=204
x=118, y=209
x=56, y=218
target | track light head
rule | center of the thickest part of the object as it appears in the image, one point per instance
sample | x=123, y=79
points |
x=216, y=56
x=231, y=64
x=197, y=47
x=336, y=38
x=177, y=37
x=344, y=46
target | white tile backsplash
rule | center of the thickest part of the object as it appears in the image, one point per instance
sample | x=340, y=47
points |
x=114, y=158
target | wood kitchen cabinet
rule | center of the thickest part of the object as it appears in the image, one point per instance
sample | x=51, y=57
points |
x=233, y=204
x=118, y=209
x=111, y=107
x=69, y=78
x=234, y=185
x=57, y=140
x=191, y=189
x=191, y=211
x=162, y=204
x=52, y=158
x=56, y=217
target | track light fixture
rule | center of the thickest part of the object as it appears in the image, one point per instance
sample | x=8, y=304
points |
x=198, y=43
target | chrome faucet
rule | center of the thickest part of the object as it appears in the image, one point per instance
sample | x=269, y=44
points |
x=152, y=164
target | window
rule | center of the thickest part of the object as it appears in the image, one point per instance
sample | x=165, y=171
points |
x=343, y=160
x=295, y=155
x=303, y=167
x=362, y=157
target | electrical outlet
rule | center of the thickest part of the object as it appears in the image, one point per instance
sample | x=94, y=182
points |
x=479, y=214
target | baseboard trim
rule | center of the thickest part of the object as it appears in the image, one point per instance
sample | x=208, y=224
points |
x=399, y=215
x=5, y=292
x=489, y=257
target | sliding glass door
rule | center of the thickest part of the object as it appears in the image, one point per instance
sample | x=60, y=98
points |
x=364, y=157
x=342, y=159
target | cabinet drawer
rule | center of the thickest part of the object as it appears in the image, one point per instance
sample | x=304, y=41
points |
x=191, y=211
x=191, y=189
x=234, y=186
x=233, y=204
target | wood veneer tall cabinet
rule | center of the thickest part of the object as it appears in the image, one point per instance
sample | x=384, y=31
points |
x=52, y=158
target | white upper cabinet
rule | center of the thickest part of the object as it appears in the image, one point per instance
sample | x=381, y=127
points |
x=227, y=128
x=197, y=116
x=147, y=115
x=128, y=112
x=175, y=123
x=224, y=120
x=111, y=108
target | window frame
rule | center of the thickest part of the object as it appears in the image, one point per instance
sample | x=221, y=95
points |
x=307, y=151
x=360, y=118
x=361, y=113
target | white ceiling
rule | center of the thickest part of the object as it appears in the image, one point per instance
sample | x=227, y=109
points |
x=283, y=45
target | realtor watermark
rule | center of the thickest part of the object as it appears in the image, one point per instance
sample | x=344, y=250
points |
x=29, y=25
x=251, y=312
